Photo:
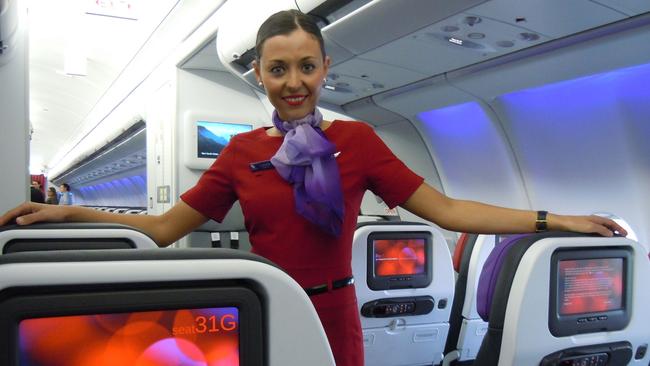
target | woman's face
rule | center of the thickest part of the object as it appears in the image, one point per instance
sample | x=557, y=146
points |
x=292, y=70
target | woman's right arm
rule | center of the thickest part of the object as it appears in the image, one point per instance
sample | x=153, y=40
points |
x=164, y=229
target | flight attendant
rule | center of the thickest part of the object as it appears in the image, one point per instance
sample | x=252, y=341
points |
x=300, y=185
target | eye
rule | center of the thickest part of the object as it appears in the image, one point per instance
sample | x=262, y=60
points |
x=308, y=68
x=276, y=70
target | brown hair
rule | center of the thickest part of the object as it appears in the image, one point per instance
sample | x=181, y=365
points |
x=283, y=23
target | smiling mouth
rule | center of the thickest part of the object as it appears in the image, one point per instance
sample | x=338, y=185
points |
x=295, y=100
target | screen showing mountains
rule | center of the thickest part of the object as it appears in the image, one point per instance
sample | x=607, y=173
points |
x=212, y=137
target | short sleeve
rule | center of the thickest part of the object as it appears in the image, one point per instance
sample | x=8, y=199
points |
x=214, y=193
x=388, y=177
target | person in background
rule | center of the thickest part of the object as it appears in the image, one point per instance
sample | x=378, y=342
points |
x=66, y=197
x=300, y=185
x=52, y=196
x=36, y=194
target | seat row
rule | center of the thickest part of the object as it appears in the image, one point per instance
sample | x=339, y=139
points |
x=539, y=299
x=554, y=298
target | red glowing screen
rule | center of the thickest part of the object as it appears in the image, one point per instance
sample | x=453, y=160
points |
x=394, y=257
x=192, y=337
x=590, y=285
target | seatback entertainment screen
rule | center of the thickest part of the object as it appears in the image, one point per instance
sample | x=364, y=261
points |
x=206, y=336
x=590, y=290
x=399, y=256
x=399, y=260
x=590, y=285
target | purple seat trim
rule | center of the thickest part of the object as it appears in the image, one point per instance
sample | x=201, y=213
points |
x=490, y=273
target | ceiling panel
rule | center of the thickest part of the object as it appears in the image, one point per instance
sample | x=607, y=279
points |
x=629, y=7
x=554, y=18
x=358, y=78
x=453, y=43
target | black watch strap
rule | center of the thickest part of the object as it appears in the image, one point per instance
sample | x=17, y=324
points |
x=541, y=224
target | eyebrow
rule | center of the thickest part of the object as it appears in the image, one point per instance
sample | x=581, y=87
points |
x=307, y=58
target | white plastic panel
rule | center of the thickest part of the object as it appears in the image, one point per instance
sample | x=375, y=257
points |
x=582, y=144
x=14, y=112
x=528, y=305
x=407, y=144
x=472, y=155
x=238, y=29
x=366, y=110
x=441, y=287
x=629, y=7
x=9, y=19
x=221, y=95
x=290, y=312
x=482, y=249
x=358, y=78
x=472, y=332
x=382, y=21
x=423, y=96
x=430, y=51
x=554, y=18
x=608, y=52
x=140, y=240
x=413, y=345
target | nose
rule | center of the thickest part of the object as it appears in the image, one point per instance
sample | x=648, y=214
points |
x=294, y=80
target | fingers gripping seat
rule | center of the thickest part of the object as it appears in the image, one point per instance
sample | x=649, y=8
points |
x=565, y=299
x=404, y=283
x=177, y=306
x=72, y=236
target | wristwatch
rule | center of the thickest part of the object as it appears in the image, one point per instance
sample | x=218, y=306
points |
x=541, y=224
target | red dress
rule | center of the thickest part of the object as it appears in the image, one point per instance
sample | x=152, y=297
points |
x=309, y=255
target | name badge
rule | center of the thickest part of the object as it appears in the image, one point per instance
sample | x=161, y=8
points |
x=261, y=165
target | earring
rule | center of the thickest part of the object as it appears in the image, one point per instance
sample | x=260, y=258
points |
x=259, y=83
x=324, y=80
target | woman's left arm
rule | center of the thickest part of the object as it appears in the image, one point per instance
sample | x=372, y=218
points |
x=476, y=217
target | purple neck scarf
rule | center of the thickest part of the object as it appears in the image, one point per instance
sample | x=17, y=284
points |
x=306, y=160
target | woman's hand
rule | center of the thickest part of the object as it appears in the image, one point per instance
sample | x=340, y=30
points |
x=30, y=212
x=585, y=224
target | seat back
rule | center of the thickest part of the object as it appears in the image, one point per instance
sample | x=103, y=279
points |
x=72, y=236
x=404, y=283
x=176, y=306
x=466, y=328
x=566, y=299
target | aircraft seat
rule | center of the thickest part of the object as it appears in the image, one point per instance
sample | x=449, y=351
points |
x=561, y=298
x=181, y=307
x=71, y=236
x=466, y=328
x=405, y=286
x=459, y=249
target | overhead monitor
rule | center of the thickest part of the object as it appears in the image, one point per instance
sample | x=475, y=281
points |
x=590, y=291
x=399, y=260
x=212, y=137
x=180, y=325
x=206, y=137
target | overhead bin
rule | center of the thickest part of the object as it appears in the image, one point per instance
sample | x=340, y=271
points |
x=237, y=33
x=375, y=23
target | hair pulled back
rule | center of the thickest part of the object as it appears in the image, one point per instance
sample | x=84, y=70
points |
x=283, y=23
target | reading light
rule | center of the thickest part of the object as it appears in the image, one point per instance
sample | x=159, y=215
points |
x=455, y=41
x=472, y=20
